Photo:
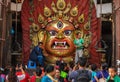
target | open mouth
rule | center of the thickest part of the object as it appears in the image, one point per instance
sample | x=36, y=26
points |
x=60, y=45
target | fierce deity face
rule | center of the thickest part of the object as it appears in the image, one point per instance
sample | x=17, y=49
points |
x=59, y=40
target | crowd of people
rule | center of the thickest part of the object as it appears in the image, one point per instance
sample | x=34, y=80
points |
x=60, y=72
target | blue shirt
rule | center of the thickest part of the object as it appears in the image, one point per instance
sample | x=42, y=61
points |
x=93, y=75
x=105, y=74
x=46, y=79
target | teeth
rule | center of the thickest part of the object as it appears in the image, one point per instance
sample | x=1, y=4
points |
x=64, y=43
x=55, y=43
x=53, y=46
x=60, y=42
x=66, y=47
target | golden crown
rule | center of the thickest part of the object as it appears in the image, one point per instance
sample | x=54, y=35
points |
x=60, y=10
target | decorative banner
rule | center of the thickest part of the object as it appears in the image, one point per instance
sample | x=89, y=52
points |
x=55, y=22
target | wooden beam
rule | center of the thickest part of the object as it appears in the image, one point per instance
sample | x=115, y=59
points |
x=3, y=31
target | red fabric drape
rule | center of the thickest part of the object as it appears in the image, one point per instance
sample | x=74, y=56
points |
x=83, y=7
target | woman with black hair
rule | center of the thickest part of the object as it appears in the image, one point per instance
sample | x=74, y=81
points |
x=50, y=72
x=12, y=77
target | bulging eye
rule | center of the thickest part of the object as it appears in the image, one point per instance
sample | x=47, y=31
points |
x=67, y=32
x=52, y=33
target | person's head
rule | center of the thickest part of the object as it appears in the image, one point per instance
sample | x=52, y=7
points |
x=12, y=74
x=58, y=62
x=57, y=73
x=40, y=43
x=93, y=67
x=112, y=71
x=38, y=72
x=78, y=34
x=82, y=61
x=71, y=64
x=104, y=66
x=50, y=69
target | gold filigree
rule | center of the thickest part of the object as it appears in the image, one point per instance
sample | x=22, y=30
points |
x=81, y=18
x=66, y=17
x=60, y=14
x=61, y=4
x=41, y=35
x=86, y=52
x=54, y=17
x=40, y=18
x=74, y=11
x=35, y=27
x=47, y=11
x=87, y=26
x=31, y=19
x=37, y=37
x=34, y=39
x=67, y=9
x=53, y=7
x=87, y=40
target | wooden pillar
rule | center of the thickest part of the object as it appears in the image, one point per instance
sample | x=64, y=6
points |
x=116, y=11
x=3, y=31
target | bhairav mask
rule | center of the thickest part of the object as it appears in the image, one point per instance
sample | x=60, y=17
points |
x=55, y=23
x=59, y=40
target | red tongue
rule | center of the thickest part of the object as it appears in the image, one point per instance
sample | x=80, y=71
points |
x=60, y=47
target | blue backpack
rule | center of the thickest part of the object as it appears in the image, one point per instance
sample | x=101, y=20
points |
x=83, y=76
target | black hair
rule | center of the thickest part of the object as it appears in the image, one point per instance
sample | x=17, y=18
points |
x=71, y=63
x=93, y=67
x=38, y=71
x=82, y=61
x=104, y=66
x=114, y=68
x=78, y=33
x=62, y=66
x=58, y=62
x=49, y=68
x=39, y=43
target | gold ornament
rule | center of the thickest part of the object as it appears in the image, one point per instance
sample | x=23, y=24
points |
x=41, y=35
x=53, y=7
x=66, y=17
x=87, y=26
x=40, y=18
x=81, y=18
x=61, y=4
x=67, y=9
x=74, y=11
x=35, y=27
x=47, y=11
x=86, y=52
x=34, y=39
x=87, y=40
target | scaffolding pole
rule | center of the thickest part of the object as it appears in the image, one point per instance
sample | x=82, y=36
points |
x=3, y=31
